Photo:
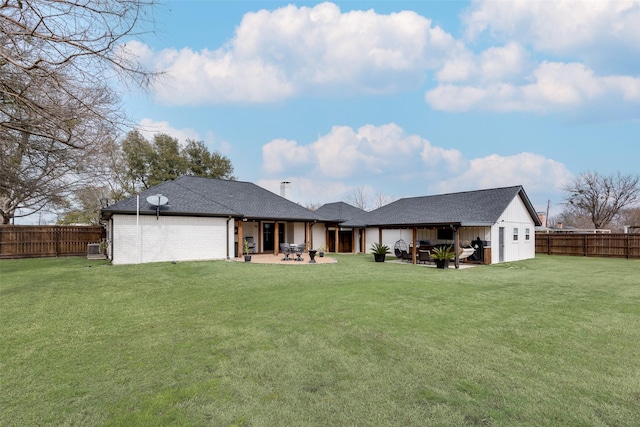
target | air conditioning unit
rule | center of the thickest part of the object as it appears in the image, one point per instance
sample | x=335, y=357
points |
x=93, y=251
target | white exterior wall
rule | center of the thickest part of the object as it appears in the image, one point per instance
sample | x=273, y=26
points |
x=515, y=216
x=318, y=235
x=249, y=229
x=169, y=238
x=298, y=233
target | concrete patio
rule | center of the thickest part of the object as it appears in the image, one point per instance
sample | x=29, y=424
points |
x=279, y=259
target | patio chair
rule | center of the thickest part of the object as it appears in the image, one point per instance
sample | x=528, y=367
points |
x=299, y=250
x=424, y=257
x=405, y=256
x=286, y=250
x=399, y=247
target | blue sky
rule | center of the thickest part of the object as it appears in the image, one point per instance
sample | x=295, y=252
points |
x=399, y=98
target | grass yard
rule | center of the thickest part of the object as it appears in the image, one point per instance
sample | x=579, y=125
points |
x=553, y=341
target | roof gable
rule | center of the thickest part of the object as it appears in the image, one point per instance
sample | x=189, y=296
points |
x=338, y=211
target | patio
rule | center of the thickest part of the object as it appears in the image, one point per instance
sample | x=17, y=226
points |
x=279, y=259
x=463, y=265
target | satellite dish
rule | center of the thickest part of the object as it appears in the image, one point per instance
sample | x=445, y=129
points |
x=157, y=200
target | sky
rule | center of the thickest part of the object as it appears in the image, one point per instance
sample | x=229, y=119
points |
x=399, y=98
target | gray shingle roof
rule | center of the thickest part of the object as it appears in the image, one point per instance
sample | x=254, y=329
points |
x=480, y=207
x=338, y=211
x=195, y=196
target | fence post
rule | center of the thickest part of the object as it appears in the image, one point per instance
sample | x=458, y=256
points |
x=585, y=245
x=56, y=239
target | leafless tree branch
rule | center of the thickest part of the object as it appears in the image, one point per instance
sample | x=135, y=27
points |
x=58, y=63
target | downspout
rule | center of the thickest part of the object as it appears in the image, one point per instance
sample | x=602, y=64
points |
x=228, y=219
x=110, y=238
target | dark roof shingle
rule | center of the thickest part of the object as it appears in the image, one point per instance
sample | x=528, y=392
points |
x=469, y=208
x=198, y=196
x=338, y=211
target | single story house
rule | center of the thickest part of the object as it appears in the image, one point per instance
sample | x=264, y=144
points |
x=499, y=222
x=193, y=218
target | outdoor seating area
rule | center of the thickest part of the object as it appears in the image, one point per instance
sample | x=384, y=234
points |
x=466, y=252
x=292, y=252
x=424, y=251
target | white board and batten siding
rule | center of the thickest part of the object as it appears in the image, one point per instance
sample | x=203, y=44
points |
x=519, y=234
x=169, y=238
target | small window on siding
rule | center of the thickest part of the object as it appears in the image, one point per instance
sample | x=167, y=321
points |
x=515, y=234
x=527, y=234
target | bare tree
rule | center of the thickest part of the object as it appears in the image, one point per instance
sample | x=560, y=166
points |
x=312, y=206
x=602, y=197
x=627, y=219
x=358, y=198
x=571, y=217
x=57, y=60
x=382, y=200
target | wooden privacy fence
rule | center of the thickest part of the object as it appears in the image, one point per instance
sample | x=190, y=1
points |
x=598, y=245
x=34, y=241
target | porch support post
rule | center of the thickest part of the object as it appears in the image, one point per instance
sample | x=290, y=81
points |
x=353, y=240
x=380, y=235
x=326, y=237
x=415, y=246
x=337, y=244
x=456, y=245
x=363, y=243
x=276, y=237
x=240, y=238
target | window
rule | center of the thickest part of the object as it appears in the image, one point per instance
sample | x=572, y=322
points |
x=527, y=234
x=515, y=234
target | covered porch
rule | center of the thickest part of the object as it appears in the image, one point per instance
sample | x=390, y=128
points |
x=265, y=236
x=470, y=243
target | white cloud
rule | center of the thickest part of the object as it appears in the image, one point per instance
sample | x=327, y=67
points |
x=494, y=64
x=149, y=128
x=207, y=77
x=280, y=154
x=584, y=29
x=603, y=35
x=499, y=63
x=277, y=54
x=306, y=190
x=346, y=153
x=554, y=86
x=391, y=161
x=535, y=172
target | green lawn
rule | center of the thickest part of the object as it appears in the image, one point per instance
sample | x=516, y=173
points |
x=547, y=342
